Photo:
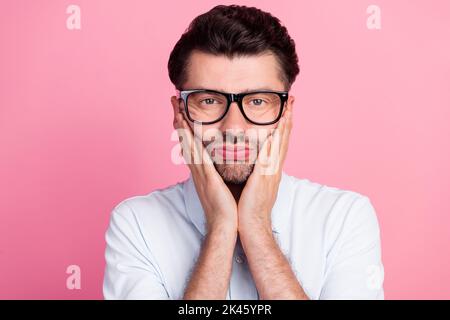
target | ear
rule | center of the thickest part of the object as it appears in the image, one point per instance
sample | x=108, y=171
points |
x=289, y=103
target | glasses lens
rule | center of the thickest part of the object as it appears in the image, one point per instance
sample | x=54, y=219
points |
x=206, y=106
x=262, y=107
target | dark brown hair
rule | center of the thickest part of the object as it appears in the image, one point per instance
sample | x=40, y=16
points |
x=235, y=31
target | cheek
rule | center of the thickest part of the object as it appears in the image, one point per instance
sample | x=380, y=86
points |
x=256, y=135
x=210, y=133
x=265, y=131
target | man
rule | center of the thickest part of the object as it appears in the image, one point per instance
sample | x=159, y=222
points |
x=239, y=227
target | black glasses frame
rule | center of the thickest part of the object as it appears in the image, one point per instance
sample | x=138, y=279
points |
x=233, y=97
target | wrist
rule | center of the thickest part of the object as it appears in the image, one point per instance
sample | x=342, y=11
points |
x=255, y=227
x=222, y=227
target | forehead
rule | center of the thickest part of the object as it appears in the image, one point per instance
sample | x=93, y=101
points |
x=237, y=74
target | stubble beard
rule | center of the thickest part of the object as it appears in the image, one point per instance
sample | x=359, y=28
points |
x=235, y=173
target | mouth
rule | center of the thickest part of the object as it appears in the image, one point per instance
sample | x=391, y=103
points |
x=232, y=152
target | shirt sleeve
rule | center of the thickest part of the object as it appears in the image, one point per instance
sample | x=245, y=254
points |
x=131, y=271
x=356, y=270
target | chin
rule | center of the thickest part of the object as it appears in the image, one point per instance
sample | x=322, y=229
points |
x=234, y=173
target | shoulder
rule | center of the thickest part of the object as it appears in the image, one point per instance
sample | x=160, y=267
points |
x=152, y=209
x=312, y=193
x=337, y=210
x=317, y=192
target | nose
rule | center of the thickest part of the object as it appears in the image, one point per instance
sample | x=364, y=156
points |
x=234, y=119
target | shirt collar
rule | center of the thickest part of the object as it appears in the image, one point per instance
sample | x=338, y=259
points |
x=280, y=210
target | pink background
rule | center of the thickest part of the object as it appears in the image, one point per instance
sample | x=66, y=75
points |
x=85, y=122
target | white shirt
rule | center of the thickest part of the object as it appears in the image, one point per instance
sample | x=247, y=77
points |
x=329, y=236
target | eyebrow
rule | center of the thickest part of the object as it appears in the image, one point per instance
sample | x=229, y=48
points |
x=243, y=91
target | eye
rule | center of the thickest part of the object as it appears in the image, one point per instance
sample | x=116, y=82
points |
x=257, y=102
x=209, y=100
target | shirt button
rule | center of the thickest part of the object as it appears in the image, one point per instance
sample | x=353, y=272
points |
x=239, y=259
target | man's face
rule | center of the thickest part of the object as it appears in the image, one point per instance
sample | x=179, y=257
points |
x=238, y=139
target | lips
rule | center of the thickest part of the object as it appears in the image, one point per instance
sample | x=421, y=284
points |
x=232, y=152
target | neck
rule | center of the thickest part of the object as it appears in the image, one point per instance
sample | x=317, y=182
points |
x=236, y=190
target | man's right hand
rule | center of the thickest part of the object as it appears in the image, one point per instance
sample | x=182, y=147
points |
x=211, y=276
x=217, y=201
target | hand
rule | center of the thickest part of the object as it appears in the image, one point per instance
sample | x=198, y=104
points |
x=217, y=201
x=260, y=192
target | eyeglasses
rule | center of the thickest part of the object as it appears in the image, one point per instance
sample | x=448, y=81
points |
x=210, y=106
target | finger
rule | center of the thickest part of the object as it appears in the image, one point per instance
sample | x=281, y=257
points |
x=178, y=119
x=205, y=160
x=201, y=162
x=185, y=141
x=189, y=147
x=267, y=159
x=286, y=134
x=178, y=113
x=270, y=160
x=263, y=155
x=177, y=124
x=176, y=106
x=277, y=137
